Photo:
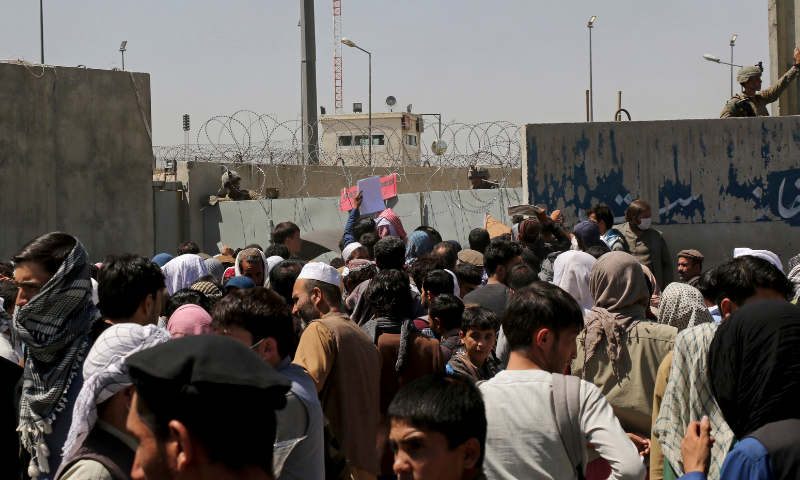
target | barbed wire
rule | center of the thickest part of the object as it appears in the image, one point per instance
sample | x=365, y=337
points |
x=274, y=146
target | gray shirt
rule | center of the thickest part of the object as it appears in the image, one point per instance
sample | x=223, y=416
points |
x=523, y=439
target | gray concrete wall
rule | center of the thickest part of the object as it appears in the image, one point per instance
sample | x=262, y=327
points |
x=237, y=224
x=75, y=156
x=312, y=183
x=713, y=184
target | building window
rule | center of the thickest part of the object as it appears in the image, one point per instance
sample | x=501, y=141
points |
x=411, y=140
x=357, y=141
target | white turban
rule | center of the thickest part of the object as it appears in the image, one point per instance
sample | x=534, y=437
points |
x=105, y=372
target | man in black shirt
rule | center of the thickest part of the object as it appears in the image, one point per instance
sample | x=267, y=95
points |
x=498, y=260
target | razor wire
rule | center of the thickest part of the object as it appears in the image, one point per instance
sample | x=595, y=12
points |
x=277, y=148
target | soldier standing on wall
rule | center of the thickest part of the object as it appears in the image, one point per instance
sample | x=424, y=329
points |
x=751, y=102
x=479, y=176
x=231, y=191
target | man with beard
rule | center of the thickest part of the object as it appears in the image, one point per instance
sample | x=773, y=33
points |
x=344, y=364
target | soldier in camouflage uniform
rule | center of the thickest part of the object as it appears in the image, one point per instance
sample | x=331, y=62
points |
x=230, y=185
x=751, y=102
x=479, y=176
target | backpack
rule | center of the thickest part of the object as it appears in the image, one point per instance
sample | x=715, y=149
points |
x=567, y=402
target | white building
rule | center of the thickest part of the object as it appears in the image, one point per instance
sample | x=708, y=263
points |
x=395, y=138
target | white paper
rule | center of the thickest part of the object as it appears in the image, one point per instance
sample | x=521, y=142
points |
x=373, y=198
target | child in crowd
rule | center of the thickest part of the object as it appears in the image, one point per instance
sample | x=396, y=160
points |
x=479, y=327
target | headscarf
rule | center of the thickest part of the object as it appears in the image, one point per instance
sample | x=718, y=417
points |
x=754, y=365
x=271, y=262
x=162, y=259
x=214, y=267
x=54, y=326
x=251, y=252
x=417, y=245
x=208, y=289
x=682, y=306
x=620, y=298
x=388, y=223
x=242, y=283
x=230, y=272
x=105, y=372
x=183, y=271
x=571, y=273
x=189, y=319
x=794, y=261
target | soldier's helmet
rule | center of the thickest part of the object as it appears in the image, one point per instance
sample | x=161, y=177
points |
x=230, y=177
x=478, y=171
x=746, y=73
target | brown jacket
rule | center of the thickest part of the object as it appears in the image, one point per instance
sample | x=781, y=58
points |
x=346, y=368
x=423, y=358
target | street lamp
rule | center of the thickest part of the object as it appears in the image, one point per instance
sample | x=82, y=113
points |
x=41, y=27
x=350, y=43
x=591, y=91
x=732, y=41
x=122, y=51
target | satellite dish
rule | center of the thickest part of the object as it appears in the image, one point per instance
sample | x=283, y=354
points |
x=391, y=102
x=408, y=108
x=439, y=147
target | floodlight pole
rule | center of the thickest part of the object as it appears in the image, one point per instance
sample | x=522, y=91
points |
x=123, y=59
x=591, y=90
x=733, y=40
x=41, y=27
x=439, y=116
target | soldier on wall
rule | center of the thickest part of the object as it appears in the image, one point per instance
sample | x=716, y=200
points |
x=479, y=176
x=752, y=102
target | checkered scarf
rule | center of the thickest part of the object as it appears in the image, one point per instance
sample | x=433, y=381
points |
x=54, y=326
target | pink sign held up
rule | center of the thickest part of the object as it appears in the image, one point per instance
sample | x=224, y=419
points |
x=388, y=190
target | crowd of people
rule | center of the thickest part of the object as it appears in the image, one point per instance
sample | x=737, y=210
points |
x=548, y=352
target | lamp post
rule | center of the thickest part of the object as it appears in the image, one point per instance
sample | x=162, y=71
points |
x=41, y=27
x=712, y=58
x=122, y=51
x=350, y=43
x=732, y=42
x=591, y=91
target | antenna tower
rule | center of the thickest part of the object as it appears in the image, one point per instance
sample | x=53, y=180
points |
x=337, y=54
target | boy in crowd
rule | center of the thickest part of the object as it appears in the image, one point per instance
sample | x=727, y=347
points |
x=438, y=429
x=479, y=327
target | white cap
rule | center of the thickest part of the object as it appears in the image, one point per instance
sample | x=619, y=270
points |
x=322, y=272
x=349, y=249
x=765, y=254
x=272, y=261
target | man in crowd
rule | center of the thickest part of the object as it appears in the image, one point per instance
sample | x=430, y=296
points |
x=231, y=190
x=690, y=266
x=344, y=364
x=390, y=254
x=438, y=429
x=521, y=276
x=535, y=251
x=261, y=321
x=500, y=257
x=445, y=313
x=287, y=233
x=406, y=354
x=752, y=102
x=448, y=252
x=174, y=385
x=188, y=247
x=468, y=276
x=436, y=282
x=252, y=264
x=542, y=323
x=99, y=445
x=130, y=289
x=645, y=243
x=587, y=235
x=601, y=215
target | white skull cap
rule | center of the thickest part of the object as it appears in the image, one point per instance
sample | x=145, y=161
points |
x=321, y=272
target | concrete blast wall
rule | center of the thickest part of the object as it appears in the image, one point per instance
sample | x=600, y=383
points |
x=238, y=224
x=75, y=156
x=713, y=185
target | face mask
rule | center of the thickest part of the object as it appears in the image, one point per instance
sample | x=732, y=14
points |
x=645, y=223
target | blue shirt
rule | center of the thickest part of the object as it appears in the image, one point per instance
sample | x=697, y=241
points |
x=348, y=228
x=749, y=460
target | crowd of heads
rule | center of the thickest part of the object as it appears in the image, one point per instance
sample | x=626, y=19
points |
x=166, y=338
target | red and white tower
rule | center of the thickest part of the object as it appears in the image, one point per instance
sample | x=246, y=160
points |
x=337, y=54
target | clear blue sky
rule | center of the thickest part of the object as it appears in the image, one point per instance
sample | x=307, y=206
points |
x=473, y=61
